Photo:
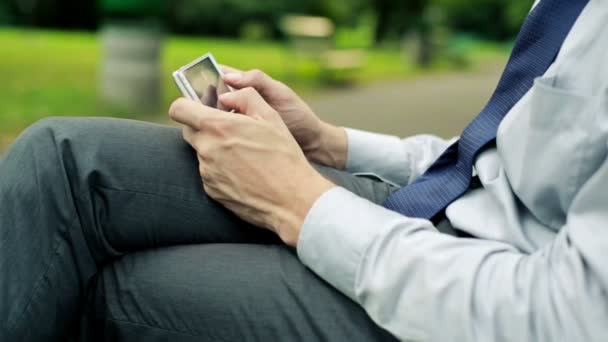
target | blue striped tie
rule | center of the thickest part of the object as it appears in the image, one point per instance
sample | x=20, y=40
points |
x=537, y=45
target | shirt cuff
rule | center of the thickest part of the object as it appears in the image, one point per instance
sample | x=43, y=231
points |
x=336, y=233
x=379, y=154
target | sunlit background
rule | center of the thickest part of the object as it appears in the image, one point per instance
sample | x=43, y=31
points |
x=396, y=66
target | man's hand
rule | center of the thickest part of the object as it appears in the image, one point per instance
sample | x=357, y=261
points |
x=250, y=162
x=321, y=142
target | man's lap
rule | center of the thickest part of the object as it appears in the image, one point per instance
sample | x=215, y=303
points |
x=145, y=195
x=223, y=292
x=228, y=292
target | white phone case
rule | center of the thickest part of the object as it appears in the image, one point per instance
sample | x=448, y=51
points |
x=182, y=83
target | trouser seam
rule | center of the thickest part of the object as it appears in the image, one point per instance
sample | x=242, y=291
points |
x=39, y=282
x=147, y=325
x=105, y=187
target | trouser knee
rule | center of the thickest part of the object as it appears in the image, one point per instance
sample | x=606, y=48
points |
x=45, y=151
x=47, y=135
x=36, y=148
x=55, y=140
x=57, y=131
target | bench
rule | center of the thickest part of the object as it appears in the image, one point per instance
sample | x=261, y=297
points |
x=312, y=39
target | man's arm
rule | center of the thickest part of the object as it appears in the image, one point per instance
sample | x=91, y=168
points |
x=395, y=160
x=386, y=156
x=422, y=285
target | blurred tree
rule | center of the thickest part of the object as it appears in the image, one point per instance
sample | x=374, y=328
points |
x=5, y=15
x=516, y=13
x=219, y=17
x=225, y=17
x=395, y=17
x=491, y=19
x=132, y=39
x=133, y=8
x=64, y=14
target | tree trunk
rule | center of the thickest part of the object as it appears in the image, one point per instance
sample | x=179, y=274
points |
x=131, y=67
x=383, y=12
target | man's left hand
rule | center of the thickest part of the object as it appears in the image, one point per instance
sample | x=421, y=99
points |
x=251, y=163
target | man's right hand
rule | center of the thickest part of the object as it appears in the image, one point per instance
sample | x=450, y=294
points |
x=321, y=142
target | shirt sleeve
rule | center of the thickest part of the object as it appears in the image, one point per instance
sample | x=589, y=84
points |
x=398, y=161
x=422, y=285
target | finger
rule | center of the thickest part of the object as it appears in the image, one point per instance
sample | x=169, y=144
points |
x=229, y=70
x=193, y=138
x=188, y=134
x=254, y=78
x=183, y=111
x=193, y=114
x=246, y=101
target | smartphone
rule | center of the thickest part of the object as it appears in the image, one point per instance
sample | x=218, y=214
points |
x=202, y=81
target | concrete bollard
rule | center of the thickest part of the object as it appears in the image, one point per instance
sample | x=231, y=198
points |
x=130, y=70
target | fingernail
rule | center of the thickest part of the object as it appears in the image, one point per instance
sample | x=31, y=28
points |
x=233, y=77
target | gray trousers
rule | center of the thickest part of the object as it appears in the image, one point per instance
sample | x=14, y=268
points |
x=106, y=234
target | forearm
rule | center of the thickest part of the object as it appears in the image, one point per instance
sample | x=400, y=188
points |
x=395, y=160
x=403, y=272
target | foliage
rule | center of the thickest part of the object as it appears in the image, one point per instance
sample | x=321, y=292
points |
x=5, y=17
x=495, y=19
x=225, y=17
x=394, y=18
x=70, y=14
x=153, y=8
x=359, y=36
x=492, y=19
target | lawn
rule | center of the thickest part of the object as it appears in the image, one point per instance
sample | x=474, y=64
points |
x=55, y=73
x=48, y=73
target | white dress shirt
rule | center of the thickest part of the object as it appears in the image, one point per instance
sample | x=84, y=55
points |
x=535, y=271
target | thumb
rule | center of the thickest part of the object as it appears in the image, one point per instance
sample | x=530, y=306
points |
x=246, y=101
x=255, y=79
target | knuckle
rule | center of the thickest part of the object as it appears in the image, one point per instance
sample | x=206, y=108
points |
x=230, y=144
x=249, y=91
x=201, y=123
x=187, y=134
x=271, y=113
x=208, y=189
x=279, y=84
x=222, y=127
x=176, y=107
x=205, y=153
x=257, y=74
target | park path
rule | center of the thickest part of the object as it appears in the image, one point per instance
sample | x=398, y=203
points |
x=440, y=104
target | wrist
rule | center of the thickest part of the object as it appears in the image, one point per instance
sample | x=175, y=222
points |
x=290, y=218
x=330, y=148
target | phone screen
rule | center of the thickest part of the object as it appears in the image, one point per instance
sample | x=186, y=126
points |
x=207, y=83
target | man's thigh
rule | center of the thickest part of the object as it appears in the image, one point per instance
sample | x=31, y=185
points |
x=209, y=292
x=140, y=187
x=221, y=292
x=134, y=185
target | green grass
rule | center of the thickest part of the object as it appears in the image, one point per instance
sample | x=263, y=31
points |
x=47, y=73
x=55, y=73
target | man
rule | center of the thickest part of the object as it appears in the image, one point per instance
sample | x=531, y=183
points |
x=501, y=239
